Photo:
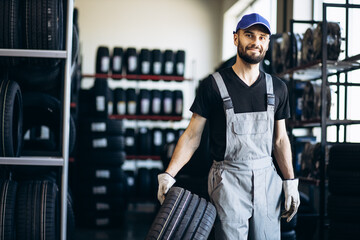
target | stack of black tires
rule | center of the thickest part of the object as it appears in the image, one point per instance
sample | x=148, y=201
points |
x=31, y=96
x=102, y=187
x=344, y=187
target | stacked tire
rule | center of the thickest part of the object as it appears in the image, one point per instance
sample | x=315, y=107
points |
x=183, y=215
x=102, y=185
x=344, y=188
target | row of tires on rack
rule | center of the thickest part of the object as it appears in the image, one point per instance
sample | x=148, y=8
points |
x=292, y=50
x=308, y=100
x=101, y=101
x=31, y=208
x=145, y=62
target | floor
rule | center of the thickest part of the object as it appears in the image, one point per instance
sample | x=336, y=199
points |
x=138, y=220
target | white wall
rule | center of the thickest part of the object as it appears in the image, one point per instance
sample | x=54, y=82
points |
x=192, y=25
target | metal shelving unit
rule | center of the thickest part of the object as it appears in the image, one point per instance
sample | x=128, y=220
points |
x=322, y=69
x=53, y=161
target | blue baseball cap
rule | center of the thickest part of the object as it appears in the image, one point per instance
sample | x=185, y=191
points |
x=252, y=19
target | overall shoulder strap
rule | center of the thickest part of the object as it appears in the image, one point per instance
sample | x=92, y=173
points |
x=223, y=90
x=270, y=93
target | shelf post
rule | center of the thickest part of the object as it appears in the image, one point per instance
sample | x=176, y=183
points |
x=66, y=118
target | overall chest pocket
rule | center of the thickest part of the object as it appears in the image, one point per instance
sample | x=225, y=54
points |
x=250, y=123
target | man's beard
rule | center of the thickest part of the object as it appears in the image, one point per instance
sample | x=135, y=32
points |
x=251, y=59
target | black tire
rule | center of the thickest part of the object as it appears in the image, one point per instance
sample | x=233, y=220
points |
x=344, y=182
x=344, y=207
x=105, y=158
x=143, y=183
x=107, y=205
x=117, y=60
x=43, y=27
x=100, y=143
x=103, y=60
x=37, y=77
x=288, y=226
x=290, y=235
x=104, y=189
x=7, y=209
x=44, y=110
x=171, y=219
x=180, y=63
x=131, y=61
x=11, y=121
x=130, y=141
x=119, y=101
x=144, y=141
x=101, y=126
x=98, y=173
x=344, y=157
x=10, y=29
x=343, y=229
x=36, y=210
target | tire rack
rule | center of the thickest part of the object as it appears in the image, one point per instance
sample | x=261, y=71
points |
x=53, y=161
x=322, y=66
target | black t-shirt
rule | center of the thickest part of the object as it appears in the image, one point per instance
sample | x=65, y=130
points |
x=208, y=104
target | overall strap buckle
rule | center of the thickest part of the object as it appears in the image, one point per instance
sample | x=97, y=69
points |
x=271, y=101
x=227, y=103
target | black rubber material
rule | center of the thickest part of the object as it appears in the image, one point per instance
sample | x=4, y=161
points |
x=7, y=209
x=131, y=101
x=117, y=60
x=43, y=27
x=101, y=126
x=167, y=102
x=11, y=121
x=106, y=143
x=169, y=59
x=103, y=60
x=156, y=99
x=344, y=157
x=178, y=103
x=10, y=29
x=344, y=182
x=144, y=141
x=157, y=141
x=41, y=109
x=101, y=220
x=180, y=59
x=157, y=61
x=130, y=177
x=306, y=226
x=145, y=61
x=119, y=101
x=108, y=189
x=100, y=98
x=36, y=210
x=288, y=226
x=183, y=216
x=143, y=183
x=344, y=207
x=102, y=204
x=290, y=235
x=98, y=173
x=131, y=61
x=130, y=141
x=105, y=158
x=144, y=102
x=344, y=229
x=37, y=77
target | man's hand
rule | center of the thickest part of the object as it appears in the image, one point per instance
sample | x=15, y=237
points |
x=165, y=183
x=292, y=198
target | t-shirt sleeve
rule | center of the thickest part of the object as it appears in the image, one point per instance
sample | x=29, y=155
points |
x=283, y=109
x=202, y=99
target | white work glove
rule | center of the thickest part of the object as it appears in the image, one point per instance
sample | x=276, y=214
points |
x=165, y=183
x=292, y=198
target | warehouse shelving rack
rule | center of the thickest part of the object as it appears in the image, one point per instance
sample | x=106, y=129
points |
x=322, y=69
x=64, y=159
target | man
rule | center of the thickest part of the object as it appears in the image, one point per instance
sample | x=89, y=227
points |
x=246, y=110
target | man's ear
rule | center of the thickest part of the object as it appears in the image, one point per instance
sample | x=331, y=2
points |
x=236, y=37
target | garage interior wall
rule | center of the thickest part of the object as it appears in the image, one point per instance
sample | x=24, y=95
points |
x=191, y=25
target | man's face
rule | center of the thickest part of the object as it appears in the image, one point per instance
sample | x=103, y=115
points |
x=252, y=43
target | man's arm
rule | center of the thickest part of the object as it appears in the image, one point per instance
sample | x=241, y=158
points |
x=282, y=150
x=187, y=144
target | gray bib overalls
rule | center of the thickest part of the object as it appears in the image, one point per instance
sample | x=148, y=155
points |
x=245, y=188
